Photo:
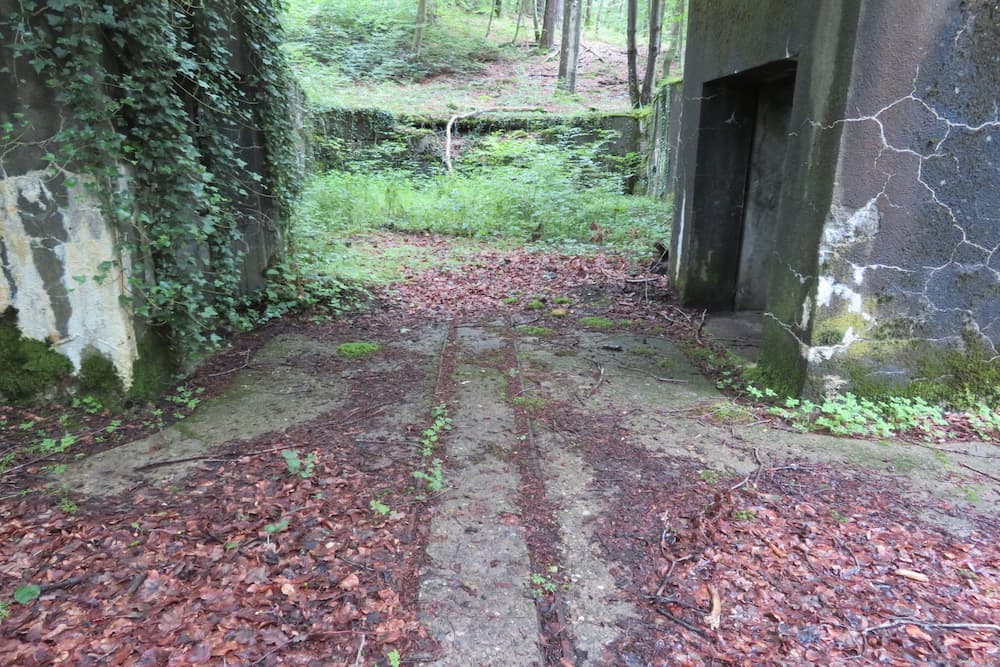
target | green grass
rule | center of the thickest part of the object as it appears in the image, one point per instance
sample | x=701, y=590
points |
x=507, y=190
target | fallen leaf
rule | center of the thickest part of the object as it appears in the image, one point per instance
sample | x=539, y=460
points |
x=916, y=633
x=910, y=574
x=714, y=617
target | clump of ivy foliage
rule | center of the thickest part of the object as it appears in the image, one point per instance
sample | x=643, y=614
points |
x=155, y=90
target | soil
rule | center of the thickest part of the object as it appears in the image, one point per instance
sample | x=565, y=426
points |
x=600, y=503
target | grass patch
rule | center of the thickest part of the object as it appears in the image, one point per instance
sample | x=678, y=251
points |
x=531, y=403
x=537, y=331
x=596, y=322
x=357, y=349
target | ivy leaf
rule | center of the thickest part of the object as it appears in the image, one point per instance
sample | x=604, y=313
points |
x=27, y=593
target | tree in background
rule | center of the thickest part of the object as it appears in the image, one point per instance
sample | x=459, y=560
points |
x=569, y=52
x=549, y=14
x=643, y=95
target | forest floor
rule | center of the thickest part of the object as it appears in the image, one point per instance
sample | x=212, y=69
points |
x=529, y=470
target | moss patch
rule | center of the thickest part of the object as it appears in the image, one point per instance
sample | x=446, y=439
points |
x=537, y=331
x=156, y=367
x=357, y=350
x=28, y=367
x=596, y=322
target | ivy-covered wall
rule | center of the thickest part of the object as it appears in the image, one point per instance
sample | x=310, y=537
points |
x=147, y=162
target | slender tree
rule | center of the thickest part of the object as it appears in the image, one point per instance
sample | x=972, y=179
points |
x=418, y=30
x=653, y=51
x=547, y=40
x=632, y=53
x=640, y=95
x=569, y=53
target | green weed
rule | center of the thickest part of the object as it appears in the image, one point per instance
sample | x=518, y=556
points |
x=304, y=468
x=379, y=507
x=538, y=331
x=433, y=477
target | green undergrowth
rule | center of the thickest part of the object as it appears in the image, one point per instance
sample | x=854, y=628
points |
x=508, y=189
x=372, y=40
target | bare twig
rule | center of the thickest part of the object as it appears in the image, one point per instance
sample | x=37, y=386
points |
x=680, y=621
x=980, y=472
x=246, y=362
x=600, y=381
x=361, y=652
x=655, y=377
x=896, y=622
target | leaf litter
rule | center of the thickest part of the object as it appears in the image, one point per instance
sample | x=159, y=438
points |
x=243, y=563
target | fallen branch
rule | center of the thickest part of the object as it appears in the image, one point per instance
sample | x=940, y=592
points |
x=470, y=114
x=680, y=621
x=655, y=377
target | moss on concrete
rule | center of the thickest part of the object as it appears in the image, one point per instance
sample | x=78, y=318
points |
x=98, y=377
x=155, y=368
x=28, y=367
x=357, y=350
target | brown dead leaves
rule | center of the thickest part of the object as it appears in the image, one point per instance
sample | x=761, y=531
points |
x=193, y=575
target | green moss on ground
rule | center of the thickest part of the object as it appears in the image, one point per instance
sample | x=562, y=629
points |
x=357, y=349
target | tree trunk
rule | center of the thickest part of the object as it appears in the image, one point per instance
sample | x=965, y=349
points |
x=655, y=34
x=497, y=6
x=587, y=14
x=418, y=30
x=517, y=26
x=547, y=39
x=534, y=20
x=633, y=55
x=569, y=54
x=670, y=36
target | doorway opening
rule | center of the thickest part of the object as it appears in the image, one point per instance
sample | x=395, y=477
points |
x=742, y=141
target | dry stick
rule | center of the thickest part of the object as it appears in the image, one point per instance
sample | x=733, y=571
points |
x=896, y=622
x=960, y=452
x=977, y=470
x=457, y=117
x=655, y=377
x=680, y=621
x=361, y=652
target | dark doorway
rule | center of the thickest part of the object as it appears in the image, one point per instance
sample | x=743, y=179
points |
x=742, y=137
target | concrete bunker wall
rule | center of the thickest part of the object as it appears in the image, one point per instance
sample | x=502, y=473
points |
x=755, y=75
x=879, y=258
x=908, y=282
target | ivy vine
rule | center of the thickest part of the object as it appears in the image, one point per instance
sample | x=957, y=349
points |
x=188, y=104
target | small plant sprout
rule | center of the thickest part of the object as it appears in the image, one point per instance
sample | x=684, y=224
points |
x=543, y=584
x=433, y=477
x=395, y=660
x=379, y=507
x=304, y=468
x=274, y=528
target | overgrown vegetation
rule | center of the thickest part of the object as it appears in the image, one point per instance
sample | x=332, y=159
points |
x=351, y=40
x=507, y=188
x=192, y=192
